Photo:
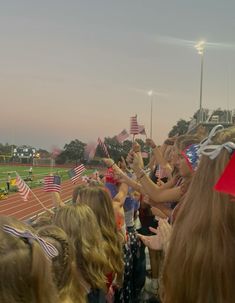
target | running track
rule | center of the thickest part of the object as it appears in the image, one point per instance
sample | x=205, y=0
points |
x=14, y=205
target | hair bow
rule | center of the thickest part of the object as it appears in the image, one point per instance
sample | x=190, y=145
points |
x=47, y=247
x=212, y=151
x=207, y=140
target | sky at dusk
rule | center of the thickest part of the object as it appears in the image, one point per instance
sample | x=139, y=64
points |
x=76, y=69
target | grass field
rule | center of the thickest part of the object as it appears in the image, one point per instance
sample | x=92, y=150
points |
x=37, y=175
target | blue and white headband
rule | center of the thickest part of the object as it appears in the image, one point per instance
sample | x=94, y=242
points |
x=47, y=247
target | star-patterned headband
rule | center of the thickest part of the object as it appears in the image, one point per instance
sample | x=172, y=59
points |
x=190, y=153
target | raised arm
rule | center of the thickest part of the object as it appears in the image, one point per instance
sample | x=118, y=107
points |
x=155, y=193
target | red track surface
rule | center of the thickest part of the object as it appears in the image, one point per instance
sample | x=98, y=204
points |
x=14, y=205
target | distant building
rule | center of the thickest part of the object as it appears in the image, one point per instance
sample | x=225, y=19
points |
x=210, y=118
x=24, y=154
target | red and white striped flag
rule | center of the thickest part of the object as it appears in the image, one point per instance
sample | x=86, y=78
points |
x=142, y=130
x=122, y=136
x=161, y=172
x=144, y=155
x=90, y=150
x=104, y=147
x=158, y=173
x=52, y=184
x=76, y=172
x=23, y=188
x=134, y=127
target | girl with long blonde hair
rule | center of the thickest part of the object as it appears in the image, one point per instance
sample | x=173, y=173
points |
x=80, y=224
x=99, y=200
x=200, y=262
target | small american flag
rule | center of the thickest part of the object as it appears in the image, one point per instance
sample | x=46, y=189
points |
x=104, y=147
x=23, y=188
x=122, y=136
x=144, y=155
x=142, y=130
x=76, y=172
x=90, y=150
x=158, y=172
x=134, y=127
x=52, y=184
x=161, y=172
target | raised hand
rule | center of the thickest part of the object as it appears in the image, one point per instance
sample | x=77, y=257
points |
x=149, y=142
x=165, y=231
x=153, y=242
x=108, y=161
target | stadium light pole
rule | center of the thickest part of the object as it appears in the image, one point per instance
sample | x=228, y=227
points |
x=200, y=49
x=150, y=94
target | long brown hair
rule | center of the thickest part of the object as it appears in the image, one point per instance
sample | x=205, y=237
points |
x=80, y=224
x=25, y=271
x=200, y=263
x=99, y=200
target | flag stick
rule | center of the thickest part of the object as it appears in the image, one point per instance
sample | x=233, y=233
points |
x=51, y=165
x=34, y=195
x=39, y=200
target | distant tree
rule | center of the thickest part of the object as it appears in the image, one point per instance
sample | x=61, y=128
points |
x=6, y=148
x=74, y=151
x=180, y=128
x=61, y=158
x=43, y=153
x=116, y=149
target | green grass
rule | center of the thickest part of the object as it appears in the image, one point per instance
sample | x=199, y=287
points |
x=38, y=174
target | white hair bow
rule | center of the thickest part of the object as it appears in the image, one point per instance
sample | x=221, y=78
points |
x=212, y=151
x=207, y=140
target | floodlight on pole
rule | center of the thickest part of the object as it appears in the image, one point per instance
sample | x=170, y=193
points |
x=200, y=46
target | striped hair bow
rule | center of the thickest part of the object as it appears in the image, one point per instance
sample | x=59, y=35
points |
x=47, y=247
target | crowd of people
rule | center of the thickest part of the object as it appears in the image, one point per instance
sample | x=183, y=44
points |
x=180, y=206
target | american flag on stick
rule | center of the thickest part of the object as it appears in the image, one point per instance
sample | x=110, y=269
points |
x=90, y=150
x=134, y=127
x=23, y=188
x=142, y=130
x=76, y=172
x=158, y=172
x=144, y=155
x=161, y=172
x=52, y=184
x=104, y=147
x=122, y=136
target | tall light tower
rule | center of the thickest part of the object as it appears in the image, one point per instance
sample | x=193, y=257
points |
x=150, y=94
x=200, y=48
